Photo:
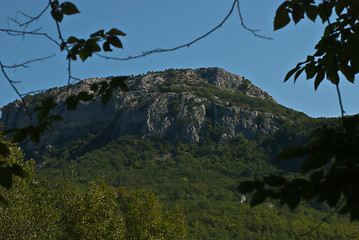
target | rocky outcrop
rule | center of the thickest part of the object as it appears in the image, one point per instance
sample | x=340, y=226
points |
x=186, y=104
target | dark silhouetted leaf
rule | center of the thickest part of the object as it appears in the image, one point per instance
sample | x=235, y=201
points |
x=6, y=177
x=100, y=33
x=297, y=74
x=281, y=19
x=35, y=137
x=19, y=171
x=57, y=15
x=54, y=118
x=85, y=96
x=43, y=113
x=294, y=152
x=3, y=201
x=113, y=40
x=260, y=196
x=297, y=13
x=311, y=12
x=319, y=78
x=275, y=180
x=72, y=102
x=19, y=135
x=246, y=186
x=4, y=149
x=115, y=31
x=290, y=73
x=72, y=39
x=105, y=98
x=119, y=82
x=106, y=47
x=69, y=8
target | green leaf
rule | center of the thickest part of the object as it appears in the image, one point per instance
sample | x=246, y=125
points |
x=324, y=11
x=43, y=113
x=297, y=74
x=19, y=135
x=62, y=46
x=348, y=72
x=19, y=171
x=319, y=78
x=119, y=82
x=115, y=31
x=105, y=98
x=290, y=73
x=72, y=102
x=3, y=201
x=115, y=41
x=4, y=149
x=54, y=118
x=106, y=47
x=260, y=196
x=6, y=177
x=85, y=96
x=275, y=180
x=311, y=12
x=99, y=33
x=69, y=8
x=294, y=152
x=72, y=39
x=293, y=201
x=35, y=136
x=297, y=13
x=246, y=186
x=314, y=161
x=94, y=87
x=57, y=15
x=83, y=55
x=310, y=70
x=281, y=19
x=339, y=7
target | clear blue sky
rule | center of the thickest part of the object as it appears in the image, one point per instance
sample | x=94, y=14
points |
x=168, y=23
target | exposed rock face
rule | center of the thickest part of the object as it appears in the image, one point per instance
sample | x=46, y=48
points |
x=187, y=104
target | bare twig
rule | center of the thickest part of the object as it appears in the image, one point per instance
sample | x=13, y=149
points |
x=22, y=33
x=324, y=219
x=12, y=83
x=335, y=59
x=253, y=31
x=24, y=64
x=161, y=50
x=31, y=19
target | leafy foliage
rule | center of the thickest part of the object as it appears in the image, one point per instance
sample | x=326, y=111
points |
x=40, y=210
x=330, y=166
x=337, y=51
x=201, y=179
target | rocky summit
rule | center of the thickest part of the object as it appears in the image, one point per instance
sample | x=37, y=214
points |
x=185, y=104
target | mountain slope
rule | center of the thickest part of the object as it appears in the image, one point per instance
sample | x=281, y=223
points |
x=190, y=136
x=174, y=104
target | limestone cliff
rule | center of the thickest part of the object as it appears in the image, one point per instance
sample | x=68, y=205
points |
x=186, y=104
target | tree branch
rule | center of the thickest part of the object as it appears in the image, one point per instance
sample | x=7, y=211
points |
x=22, y=33
x=161, y=50
x=24, y=64
x=253, y=31
x=12, y=83
x=32, y=19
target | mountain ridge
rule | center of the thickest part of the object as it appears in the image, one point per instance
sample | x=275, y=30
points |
x=171, y=104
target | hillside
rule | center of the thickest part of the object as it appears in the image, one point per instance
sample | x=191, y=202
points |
x=174, y=104
x=190, y=136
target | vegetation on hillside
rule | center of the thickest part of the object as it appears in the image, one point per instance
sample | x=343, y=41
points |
x=201, y=179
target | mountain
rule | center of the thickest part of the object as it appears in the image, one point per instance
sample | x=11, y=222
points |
x=189, y=135
x=173, y=104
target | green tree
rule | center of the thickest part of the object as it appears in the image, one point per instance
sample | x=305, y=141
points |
x=330, y=168
x=41, y=210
